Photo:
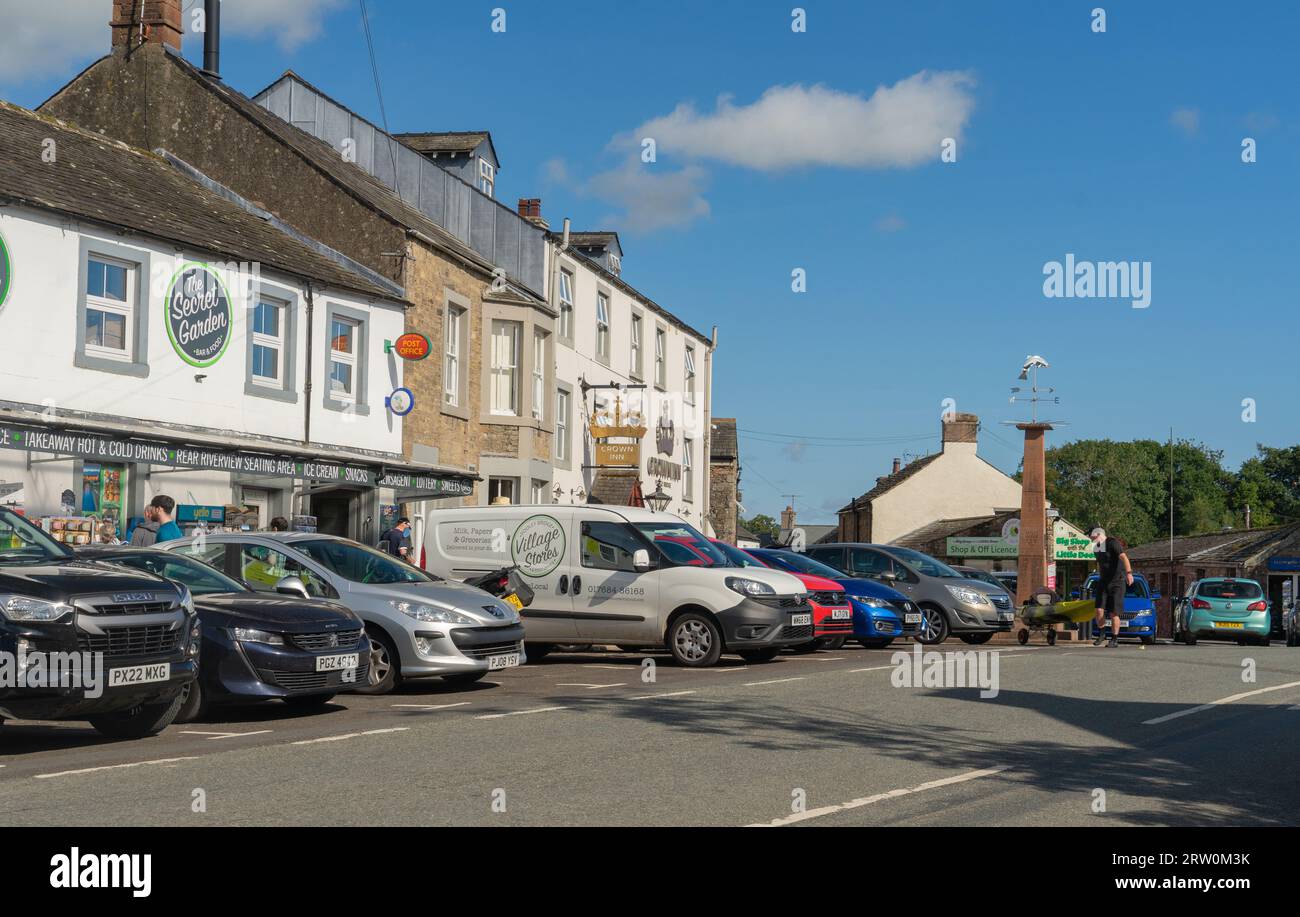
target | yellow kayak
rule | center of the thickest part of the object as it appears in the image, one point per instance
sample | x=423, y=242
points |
x=1074, y=611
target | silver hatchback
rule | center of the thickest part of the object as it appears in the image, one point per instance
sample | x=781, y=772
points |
x=420, y=625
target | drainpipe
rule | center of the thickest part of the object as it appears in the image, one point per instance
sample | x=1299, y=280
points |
x=307, y=372
x=707, y=444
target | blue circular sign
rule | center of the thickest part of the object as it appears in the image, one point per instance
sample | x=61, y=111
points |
x=401, y=402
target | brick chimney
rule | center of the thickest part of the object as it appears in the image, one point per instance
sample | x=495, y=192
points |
x=897, y=465
x=787, y=518
x=160, y=19
x=530, y=208
x=960, y=429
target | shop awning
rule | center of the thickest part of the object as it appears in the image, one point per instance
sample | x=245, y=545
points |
x=209, y=452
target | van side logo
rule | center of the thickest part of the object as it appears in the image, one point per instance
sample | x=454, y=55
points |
x=538, y=545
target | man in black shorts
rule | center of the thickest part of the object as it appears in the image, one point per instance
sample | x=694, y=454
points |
x=1115, y=575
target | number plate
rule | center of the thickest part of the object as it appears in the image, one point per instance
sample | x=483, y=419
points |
x=503, y=661
x=1227, y=624
x=139, y=675
x=337, y=663
x=912, y=617
x=841, y=614
x=797, y=620
x=513, y=601
x=1006, y=616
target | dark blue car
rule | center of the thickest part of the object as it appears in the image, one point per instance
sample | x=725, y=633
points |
x=1138, y=619
x=880, y=614
x=257, y=646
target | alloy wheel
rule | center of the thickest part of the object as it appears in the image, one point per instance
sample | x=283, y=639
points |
x=694, y=641
x=380, y=664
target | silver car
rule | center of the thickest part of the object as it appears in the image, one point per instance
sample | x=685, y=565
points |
x=420, y=625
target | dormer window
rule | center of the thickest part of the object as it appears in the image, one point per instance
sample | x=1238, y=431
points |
x=615, y=265
x=487, y=175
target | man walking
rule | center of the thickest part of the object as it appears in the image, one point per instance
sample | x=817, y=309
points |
x=394, y=540
x=1114, y=576
x=164, y=507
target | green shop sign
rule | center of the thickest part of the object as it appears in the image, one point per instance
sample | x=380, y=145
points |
x=6, y=272
x=199, y=317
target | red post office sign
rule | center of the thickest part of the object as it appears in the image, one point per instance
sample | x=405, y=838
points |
x=412, y=346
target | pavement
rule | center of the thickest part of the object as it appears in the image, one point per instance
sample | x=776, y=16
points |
x=1076, y=735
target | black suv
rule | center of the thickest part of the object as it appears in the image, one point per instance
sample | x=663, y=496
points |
x=125, y=643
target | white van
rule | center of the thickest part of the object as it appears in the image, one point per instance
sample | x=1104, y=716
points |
x=623, y=576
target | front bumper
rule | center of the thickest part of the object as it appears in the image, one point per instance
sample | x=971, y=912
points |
x=236, y=671
x=881, y=621
x=980, y=619
x=1139, y=625
x=754, y=624
x=459, y=650
x=825, y=623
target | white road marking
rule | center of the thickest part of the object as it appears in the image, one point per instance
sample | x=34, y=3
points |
x=113, y=767
x=816, y=659
x=579, y=684
x=497, y=716
x=879, y=797
x=874, y=668
x=349, y=735
x=650, y=696
x=463, y=703
x=723, y=671
x=1218, y=703
x=774, y=681
x=603, y=665
x=223, y=735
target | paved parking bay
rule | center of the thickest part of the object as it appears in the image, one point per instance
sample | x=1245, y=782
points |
x=1076, y=735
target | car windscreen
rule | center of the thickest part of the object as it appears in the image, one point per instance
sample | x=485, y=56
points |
x=1230, y=589
x=198, y=576
x=22, y=542
x=983, y=577
x=923, y=562
x=800, y=563
x=737, y=557
x=683, y=544
x=360, y=564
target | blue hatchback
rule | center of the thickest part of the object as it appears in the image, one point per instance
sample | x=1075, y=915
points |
x=880, y=614
x=1138, y=619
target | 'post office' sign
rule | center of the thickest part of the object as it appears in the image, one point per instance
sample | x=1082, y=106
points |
x=199, y=314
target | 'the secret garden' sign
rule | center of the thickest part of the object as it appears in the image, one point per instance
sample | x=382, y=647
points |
x=6, y=272
x=199, y=314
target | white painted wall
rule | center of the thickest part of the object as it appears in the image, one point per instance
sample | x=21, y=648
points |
x=579, y=361
x=956, y=484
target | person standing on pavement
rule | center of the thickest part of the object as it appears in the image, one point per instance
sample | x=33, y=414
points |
x=279, y=524
x=145, y=533
x=164, y=507
x=394, y=540
x=1114, y=576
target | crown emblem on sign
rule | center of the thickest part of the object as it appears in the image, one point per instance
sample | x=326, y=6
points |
x=605, y=425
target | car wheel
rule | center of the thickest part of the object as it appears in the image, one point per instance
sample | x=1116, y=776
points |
x=384, y=673
x=763, y=655
x=831, y=643
x=934, y=625
x=309, y=701
x=194, y=703
x=464, y=678
x=694, y=640
x=140, y=721
x=976, y=639
x=874, y=643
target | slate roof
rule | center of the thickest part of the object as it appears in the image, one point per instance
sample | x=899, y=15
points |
x=616, y=488
x=107, y=182
x=945, y=528
x=890, y=481
x=444, y=141
x=1232, y=548
x=724, y=445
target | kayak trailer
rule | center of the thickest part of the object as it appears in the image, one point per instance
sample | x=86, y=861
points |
x=1044, y=612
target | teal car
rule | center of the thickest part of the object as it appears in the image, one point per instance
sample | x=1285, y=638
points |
x=1223, y=608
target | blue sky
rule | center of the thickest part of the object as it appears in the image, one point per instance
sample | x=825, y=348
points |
x=924, y=279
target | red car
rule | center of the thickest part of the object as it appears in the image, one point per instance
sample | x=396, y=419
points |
x=832, y=616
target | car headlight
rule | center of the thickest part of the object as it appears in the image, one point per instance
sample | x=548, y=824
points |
x=750, y=587
x=252, y=635
x=968, y=596
x=431, y=614
x=26, y=608
x=187, y=598
x=870, y=601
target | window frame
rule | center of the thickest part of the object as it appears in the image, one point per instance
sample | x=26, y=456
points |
x=562, y=451
x=455, y=303
x=287, y=300
x=636, y=345
x=134, y=362
x=487, y=173
x=688, y=366
x=688, y=470
x=565, y=307
x=661, y=358
x=356, y=402
x=605, y=329
x=538, y=372
x=515, y=368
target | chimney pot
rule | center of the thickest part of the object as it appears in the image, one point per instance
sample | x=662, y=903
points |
x=530, y=208
x=897, y=465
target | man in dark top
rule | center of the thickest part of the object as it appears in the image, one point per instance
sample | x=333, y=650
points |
x=1115, y=575
x=394, y=540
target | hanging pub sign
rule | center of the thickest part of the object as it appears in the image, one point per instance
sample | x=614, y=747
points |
x=605, y=425
x=6, y=272
x=618, y=455
x=410, y=346
x=199, y=314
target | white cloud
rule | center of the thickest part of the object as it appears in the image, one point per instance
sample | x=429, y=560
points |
x=1187, y=120
x=651, y=197
x=52, y=37
x=791, y=126
x=891, y=222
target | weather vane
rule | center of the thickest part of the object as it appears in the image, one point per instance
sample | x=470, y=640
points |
x=1030, y=372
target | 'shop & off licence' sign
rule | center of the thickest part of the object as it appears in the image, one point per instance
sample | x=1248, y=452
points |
x=538, y=545
x=199, y=315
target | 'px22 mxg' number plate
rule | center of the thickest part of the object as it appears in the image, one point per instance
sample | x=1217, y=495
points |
x=139, y=675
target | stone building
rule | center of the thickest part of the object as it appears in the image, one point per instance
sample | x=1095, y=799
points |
x=724, y=479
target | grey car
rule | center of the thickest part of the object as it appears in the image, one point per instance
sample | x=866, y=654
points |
x=950, y=603
x=420, y=625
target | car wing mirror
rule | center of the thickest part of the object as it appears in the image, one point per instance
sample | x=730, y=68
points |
x=292, y=585
x=641, y=559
